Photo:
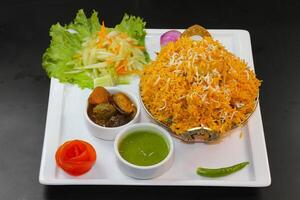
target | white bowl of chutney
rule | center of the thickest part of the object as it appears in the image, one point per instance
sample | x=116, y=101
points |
x=144, y=150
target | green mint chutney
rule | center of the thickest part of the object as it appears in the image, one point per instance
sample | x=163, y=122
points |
x=144, y=148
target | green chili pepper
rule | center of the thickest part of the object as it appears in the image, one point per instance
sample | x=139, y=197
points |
x=218, y=172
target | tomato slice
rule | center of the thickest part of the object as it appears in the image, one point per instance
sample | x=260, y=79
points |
x=75, y=157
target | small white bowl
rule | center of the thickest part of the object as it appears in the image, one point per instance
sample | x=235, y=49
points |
x=144, y=172
x=109, y=133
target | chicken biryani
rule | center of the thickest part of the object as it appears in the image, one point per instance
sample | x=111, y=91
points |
x=199, y=84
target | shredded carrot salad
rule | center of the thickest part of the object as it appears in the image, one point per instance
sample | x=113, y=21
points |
x=199, y=83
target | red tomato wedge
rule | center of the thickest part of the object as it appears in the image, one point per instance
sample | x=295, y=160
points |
x=76, y=157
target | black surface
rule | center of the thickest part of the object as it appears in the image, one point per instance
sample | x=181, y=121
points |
x=24, y=26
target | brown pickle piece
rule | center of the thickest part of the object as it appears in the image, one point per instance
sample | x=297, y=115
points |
x=98, y=96
x=118, y=120
x=133, y=113
x=122, y=103
x=103, y=112
x=196, y=30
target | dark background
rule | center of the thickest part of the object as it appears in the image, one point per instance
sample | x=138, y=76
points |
x=274, y=27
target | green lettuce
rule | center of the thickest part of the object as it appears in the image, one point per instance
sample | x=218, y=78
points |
x=66, y=41
x=135, y=28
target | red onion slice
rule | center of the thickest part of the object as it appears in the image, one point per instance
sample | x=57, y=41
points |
x=169, y=36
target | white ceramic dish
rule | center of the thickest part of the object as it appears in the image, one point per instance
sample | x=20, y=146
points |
x=109, y=133
x=144, y=172
x=65, y=121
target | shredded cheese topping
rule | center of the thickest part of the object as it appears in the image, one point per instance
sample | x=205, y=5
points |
x=199, y=83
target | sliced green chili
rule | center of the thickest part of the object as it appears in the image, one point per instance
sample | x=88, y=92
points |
x=219, y=172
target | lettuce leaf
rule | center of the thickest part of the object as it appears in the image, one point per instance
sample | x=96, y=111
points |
x=66, y=42
x=135, y=28
x=60, y=57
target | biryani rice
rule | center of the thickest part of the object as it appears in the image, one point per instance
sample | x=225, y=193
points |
x=199, y=83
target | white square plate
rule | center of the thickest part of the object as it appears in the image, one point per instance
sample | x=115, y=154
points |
x=65, y=121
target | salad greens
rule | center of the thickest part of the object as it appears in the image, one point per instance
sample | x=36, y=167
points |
x=89, y=54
